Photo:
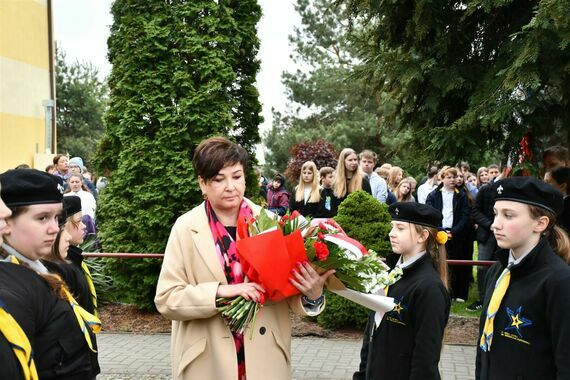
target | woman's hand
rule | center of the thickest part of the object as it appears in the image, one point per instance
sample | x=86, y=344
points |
x=248, y=290
x=308, y=281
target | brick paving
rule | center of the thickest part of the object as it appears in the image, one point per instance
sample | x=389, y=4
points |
x=146, y=357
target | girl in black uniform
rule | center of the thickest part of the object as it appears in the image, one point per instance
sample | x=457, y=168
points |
x=66, y=258
x=60, y=334
x=525, y=328
x=307, y=195
x=15, y=348
x=407, y=343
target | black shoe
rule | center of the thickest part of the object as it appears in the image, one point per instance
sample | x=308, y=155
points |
x=477, y=305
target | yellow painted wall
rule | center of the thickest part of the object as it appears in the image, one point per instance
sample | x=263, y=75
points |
x=24, y=80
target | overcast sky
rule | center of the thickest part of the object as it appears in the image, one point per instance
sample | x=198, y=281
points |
x=82, y=28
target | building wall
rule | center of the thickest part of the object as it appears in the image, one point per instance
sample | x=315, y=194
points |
x=24, y=80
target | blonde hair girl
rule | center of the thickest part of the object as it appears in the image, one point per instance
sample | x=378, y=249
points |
x=404, y=191
x=395, y=176
x=307, y=192
x=349, y=178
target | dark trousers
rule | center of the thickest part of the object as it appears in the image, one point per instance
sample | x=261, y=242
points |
x=486, y=252
x=460, y=276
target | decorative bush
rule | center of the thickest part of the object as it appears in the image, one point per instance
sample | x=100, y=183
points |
x=320, y=152
x=339, y=312
x=365, y=219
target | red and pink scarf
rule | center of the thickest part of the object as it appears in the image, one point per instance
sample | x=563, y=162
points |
x=229, y=260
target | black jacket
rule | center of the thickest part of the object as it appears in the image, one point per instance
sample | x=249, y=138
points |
x=365, y=187
x=328, y=205
x=10, y=367
x=73, y=275
x=308, y=209
x=60, y=349
x=461, y=210
x=531, y=332
x=407, y=344
x=482, y=212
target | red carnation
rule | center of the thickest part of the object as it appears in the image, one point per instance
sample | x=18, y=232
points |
x=321, y=236
x=285, y=218
x=295, y=214
x=322, y=226
x=321, y=250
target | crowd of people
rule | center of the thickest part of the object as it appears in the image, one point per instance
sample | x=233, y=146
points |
x=463, y=196
x=48, y=303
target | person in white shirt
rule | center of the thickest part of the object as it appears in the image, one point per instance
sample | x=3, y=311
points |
x=455, y=209
x=367, y=161
x=428, y=186
x=76, y=187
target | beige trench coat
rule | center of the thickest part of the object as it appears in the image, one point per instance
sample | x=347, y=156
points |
x=202, y=346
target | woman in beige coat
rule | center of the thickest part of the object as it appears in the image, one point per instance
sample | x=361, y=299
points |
x=201, y=265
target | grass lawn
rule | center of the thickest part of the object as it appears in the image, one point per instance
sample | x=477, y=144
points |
x=459, y=308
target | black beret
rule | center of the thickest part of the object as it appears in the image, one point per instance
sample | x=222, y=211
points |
x=21, y=187
x=416, y=213
x=531, y=191
x=71, y=206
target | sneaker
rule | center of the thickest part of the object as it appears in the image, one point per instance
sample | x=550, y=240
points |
x=477, y=305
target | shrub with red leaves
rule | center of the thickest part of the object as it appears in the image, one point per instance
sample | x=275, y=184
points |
x=320, y=152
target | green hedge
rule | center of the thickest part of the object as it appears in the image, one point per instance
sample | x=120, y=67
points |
x=365, y=219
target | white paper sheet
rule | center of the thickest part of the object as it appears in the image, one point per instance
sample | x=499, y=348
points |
x=376, y=302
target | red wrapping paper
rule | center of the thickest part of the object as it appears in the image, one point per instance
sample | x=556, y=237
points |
x=268, y=259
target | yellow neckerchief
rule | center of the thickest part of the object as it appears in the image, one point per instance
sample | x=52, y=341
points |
x=91, y=286
x=84, y=318
x=20, y=344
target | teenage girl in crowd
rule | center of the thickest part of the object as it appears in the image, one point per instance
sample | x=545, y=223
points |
x=66, y=258
x=404, y=191
x=559, y=177
x=525, y=327
x=453, y=204
x=57, y=328
x=407, y=343
x=482, y=177
x=349, y=177
x=307, y=192
x=395, y=175
x=77, y=187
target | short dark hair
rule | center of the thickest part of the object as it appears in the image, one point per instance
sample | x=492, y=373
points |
x=57, y=157
x=214, y=154
x=325, y=170
x=493, y=166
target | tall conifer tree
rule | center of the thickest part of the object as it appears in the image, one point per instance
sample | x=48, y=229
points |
x=467, y=76
x=182, y=71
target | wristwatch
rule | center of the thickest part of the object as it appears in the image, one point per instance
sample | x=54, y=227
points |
x=313, y=303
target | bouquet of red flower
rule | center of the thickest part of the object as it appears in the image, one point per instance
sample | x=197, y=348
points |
x=292, y=239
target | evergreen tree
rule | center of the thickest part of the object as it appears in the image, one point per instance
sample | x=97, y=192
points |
x=80, y=105
x=467, y=77
x=182, y=71
x=325, y=102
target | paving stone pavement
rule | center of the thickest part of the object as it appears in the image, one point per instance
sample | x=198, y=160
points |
x=146, y=357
